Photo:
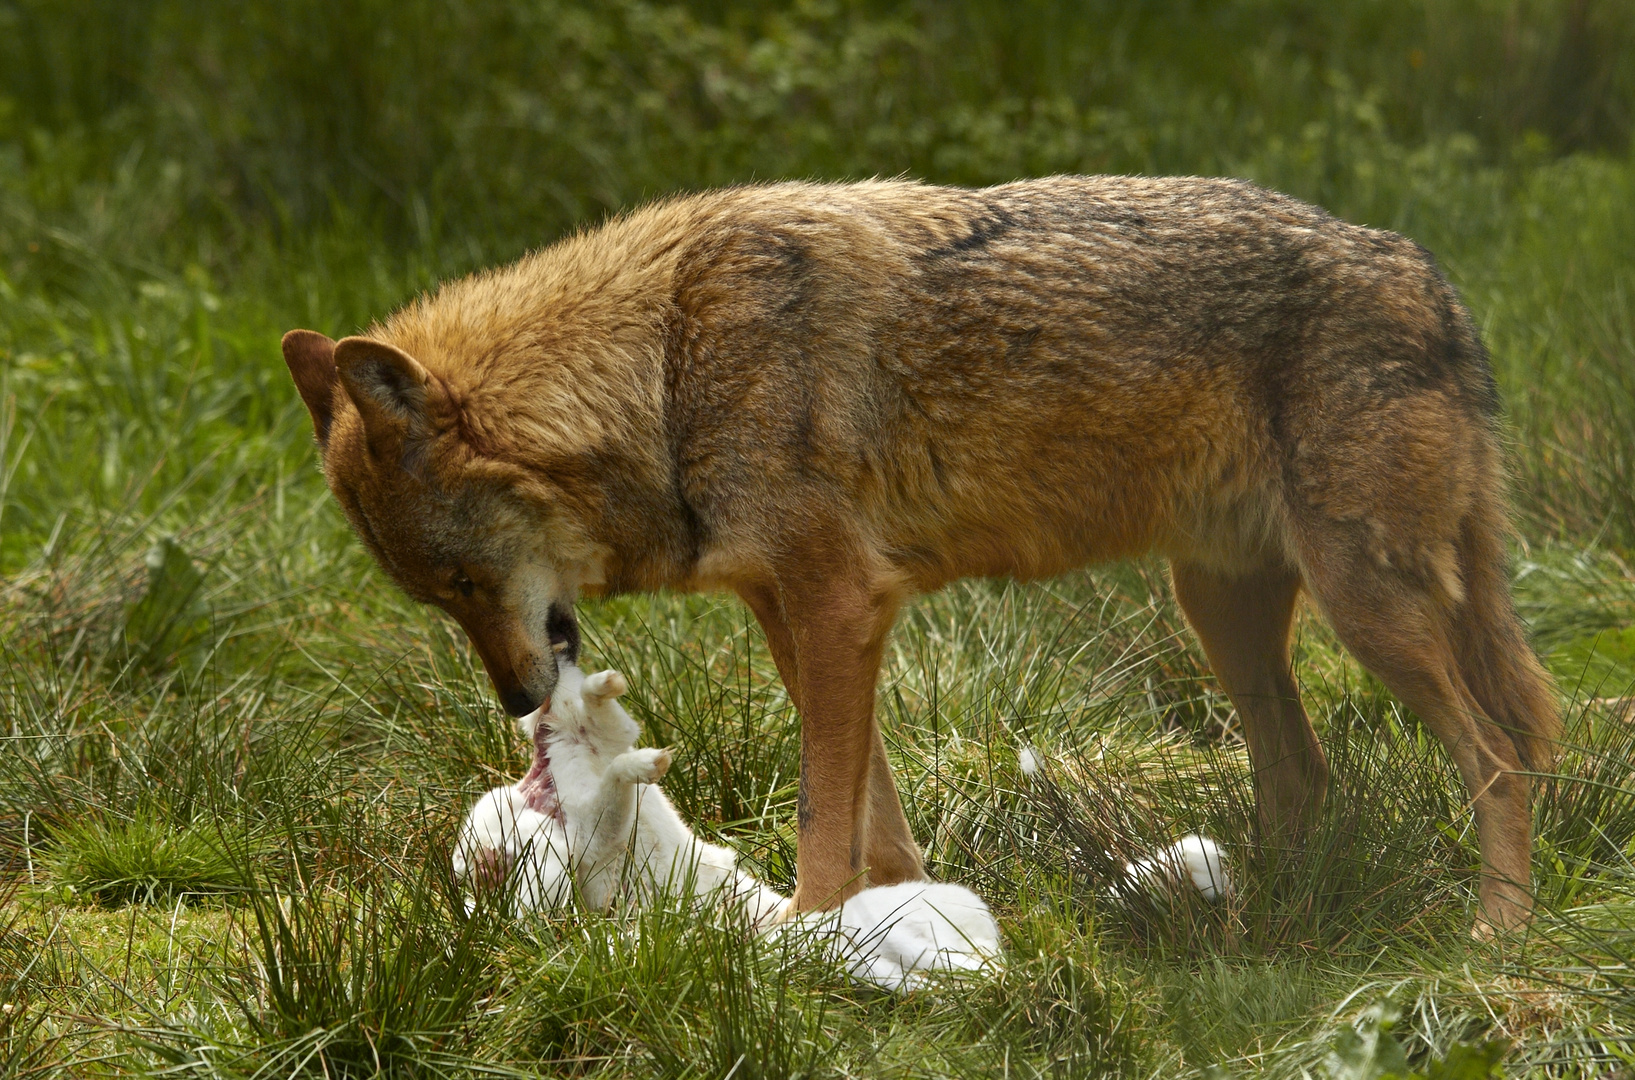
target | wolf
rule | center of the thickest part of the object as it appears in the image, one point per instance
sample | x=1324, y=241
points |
x=826, y=398
x=588, y=821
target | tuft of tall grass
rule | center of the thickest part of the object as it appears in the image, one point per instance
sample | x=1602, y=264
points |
x=1050, y=1009
x=750, y=1014
x=682, y=995
x=25, y=1047
x=362, y=971
x=146, y=858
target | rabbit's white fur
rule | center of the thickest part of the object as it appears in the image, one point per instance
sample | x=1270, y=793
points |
x=503, y=830
x=896, y=936
x=1193, y=859
x=613, y=832
x=589, y=820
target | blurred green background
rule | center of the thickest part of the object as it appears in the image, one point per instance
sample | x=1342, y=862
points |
x=319, y=161
x=503, y=121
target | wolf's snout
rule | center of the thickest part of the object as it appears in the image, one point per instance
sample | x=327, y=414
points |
x=518, y=702
x=521, y=691
x=563, y=630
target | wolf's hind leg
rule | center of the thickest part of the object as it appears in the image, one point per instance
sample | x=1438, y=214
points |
x=1243, y=622
x=1398, y=627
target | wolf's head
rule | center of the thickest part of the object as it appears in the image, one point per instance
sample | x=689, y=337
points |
x=485, y=540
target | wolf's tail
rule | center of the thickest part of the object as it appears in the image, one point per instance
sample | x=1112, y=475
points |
x=1490, y=647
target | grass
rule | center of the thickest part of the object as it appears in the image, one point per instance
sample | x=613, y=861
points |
x=147, y=860
x=235, y=758
x=339, y=943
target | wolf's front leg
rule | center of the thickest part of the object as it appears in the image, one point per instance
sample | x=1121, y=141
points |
x=835, y=632
x=889, y=850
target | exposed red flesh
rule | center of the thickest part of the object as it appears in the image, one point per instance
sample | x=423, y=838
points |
x=538, y=786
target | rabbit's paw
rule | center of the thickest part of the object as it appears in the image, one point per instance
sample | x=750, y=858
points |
x=645, y=766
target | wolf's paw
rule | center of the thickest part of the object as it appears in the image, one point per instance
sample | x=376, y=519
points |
x=645, y=766
x=605, y=684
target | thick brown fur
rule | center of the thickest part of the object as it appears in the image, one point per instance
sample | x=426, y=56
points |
x=827, y=398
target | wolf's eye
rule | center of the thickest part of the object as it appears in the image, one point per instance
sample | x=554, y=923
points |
x=464, y=584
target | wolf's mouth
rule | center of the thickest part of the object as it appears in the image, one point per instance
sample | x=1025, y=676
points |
x=563, y=631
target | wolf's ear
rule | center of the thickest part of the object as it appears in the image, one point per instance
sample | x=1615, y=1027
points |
x=311, y=359
x=386, y=384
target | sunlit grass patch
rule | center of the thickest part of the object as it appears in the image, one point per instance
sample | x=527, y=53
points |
x=354, y=772
x=353, y=941
x=142, y=859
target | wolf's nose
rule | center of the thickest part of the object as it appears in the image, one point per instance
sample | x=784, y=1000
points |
x=518, y=702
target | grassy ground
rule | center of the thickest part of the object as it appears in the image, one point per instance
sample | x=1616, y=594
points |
x=235, y=758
